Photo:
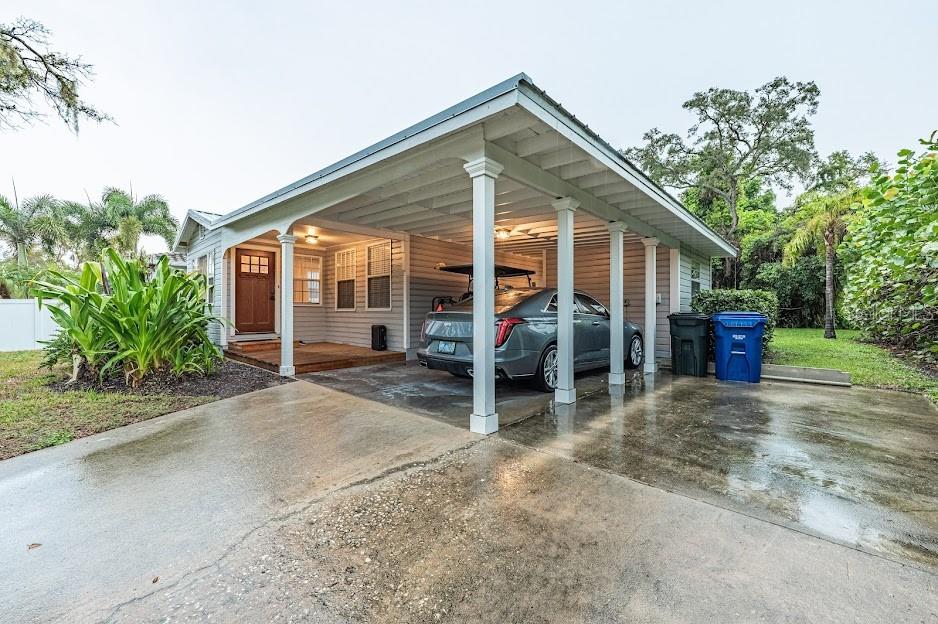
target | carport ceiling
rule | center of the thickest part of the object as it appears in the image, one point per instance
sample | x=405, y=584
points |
x=436, y=201
x=414, y=181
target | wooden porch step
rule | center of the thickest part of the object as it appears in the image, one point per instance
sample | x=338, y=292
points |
x=314, y=357
x=255, y=346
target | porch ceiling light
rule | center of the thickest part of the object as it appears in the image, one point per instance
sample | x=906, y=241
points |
x=502, y=234
x=311, y=239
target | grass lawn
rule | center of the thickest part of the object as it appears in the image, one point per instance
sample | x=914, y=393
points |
x=34, y=416
x=867, y=364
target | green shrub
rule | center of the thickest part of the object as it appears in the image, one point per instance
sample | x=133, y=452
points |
x=117, y=318
x=726, y=300
x=892, y=255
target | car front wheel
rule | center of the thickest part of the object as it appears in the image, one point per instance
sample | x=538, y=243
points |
x=546, y=376
x=636, y=353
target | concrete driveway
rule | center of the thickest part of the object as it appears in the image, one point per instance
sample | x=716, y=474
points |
x=441, y=396
x=681, y=500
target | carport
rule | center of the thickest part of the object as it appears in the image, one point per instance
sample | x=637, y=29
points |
x=506, y=170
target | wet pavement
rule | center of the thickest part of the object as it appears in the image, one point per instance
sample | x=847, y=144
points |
x=124, y=513
x=853, y=465
x=442, y=396
x=676, y=500
x=498, y=533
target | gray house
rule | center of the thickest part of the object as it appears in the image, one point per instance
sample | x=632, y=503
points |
x=508, y=177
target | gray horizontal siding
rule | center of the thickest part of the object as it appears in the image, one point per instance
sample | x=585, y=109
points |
x=354, y=326
x=206, y=245
x=689, y=258
x=591, y=275
x=309, y=319
x=426, y=282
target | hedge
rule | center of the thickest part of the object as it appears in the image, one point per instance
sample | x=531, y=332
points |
x=726, y=300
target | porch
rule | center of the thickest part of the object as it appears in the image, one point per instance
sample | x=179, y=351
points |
x=506, y=172
x=309, y=357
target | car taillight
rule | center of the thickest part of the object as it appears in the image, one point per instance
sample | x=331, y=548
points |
x=503, y=329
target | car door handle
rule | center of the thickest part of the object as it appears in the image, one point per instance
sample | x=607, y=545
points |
x=596, y=323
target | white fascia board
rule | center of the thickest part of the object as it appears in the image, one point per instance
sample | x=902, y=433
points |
x=537, y=106
x=191, y=216
x=378, y=153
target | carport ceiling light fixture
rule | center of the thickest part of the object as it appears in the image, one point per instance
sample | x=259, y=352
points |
x=311, y=239
x=502, y=234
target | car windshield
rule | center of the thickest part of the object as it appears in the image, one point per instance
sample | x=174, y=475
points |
x=504, y=300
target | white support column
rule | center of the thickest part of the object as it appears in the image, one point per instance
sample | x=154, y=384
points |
x=674, y=280
x=565, y=392
x=286, y=305
x=483, y=172
x=616, y=305
x=223, y=308
x=409, y=353
x=651, y=310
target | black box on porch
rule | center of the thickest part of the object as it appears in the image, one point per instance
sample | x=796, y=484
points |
x=379, y=337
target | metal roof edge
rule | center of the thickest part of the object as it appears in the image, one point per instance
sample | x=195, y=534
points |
x=191, y=215
x=501, y=88
x=623, y=161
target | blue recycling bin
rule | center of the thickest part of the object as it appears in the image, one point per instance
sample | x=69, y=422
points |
x=738, y=345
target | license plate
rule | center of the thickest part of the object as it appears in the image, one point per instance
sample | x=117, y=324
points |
x=446, y=346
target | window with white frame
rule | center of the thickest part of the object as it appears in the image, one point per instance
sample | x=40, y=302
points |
x=345, y=279
x=307, y=279
x=694, y=278
x=378, y=274
x=203, y=266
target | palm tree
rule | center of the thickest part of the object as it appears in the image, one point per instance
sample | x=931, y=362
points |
x=119, y=220
x=31, y=223
x=825, y=224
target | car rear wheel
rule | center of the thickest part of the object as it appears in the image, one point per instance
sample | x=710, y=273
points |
x=546, y=377
x=636, y=353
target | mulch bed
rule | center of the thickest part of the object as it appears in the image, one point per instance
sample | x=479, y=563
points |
x=229, y=379
x=928, y=368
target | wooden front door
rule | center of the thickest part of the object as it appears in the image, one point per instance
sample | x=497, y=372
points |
x=254, y=291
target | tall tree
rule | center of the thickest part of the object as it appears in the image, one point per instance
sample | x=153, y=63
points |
x=28, y=68
x=824, y=226
x=738, y=136
x=119, y=220
x=30, y=223
x=840, y=171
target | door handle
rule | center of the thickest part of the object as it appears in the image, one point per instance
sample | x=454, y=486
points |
x=596, y=323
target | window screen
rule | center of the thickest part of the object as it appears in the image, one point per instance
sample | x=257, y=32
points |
x=345, y=279
x=307, y=279
x=379, y=275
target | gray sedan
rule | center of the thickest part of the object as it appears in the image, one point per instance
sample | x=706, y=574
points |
x=525, y=337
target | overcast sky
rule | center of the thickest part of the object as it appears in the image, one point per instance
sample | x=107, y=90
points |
x=217, y=103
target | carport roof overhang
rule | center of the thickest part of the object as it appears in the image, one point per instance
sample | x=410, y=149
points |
x=413, y=182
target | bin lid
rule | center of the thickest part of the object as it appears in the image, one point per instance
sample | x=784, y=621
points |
x=739, y=319
x=688, y=319
x=698, y=316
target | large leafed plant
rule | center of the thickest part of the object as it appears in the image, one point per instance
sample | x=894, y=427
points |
x=892, y=264
x=114, y=317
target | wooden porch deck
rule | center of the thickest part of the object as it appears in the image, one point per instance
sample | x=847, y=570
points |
x=309, y=357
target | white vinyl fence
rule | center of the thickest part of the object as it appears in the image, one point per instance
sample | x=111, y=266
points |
x=23, y=324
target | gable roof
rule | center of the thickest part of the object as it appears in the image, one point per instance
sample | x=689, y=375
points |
x=521, y=84
x=189, y=223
